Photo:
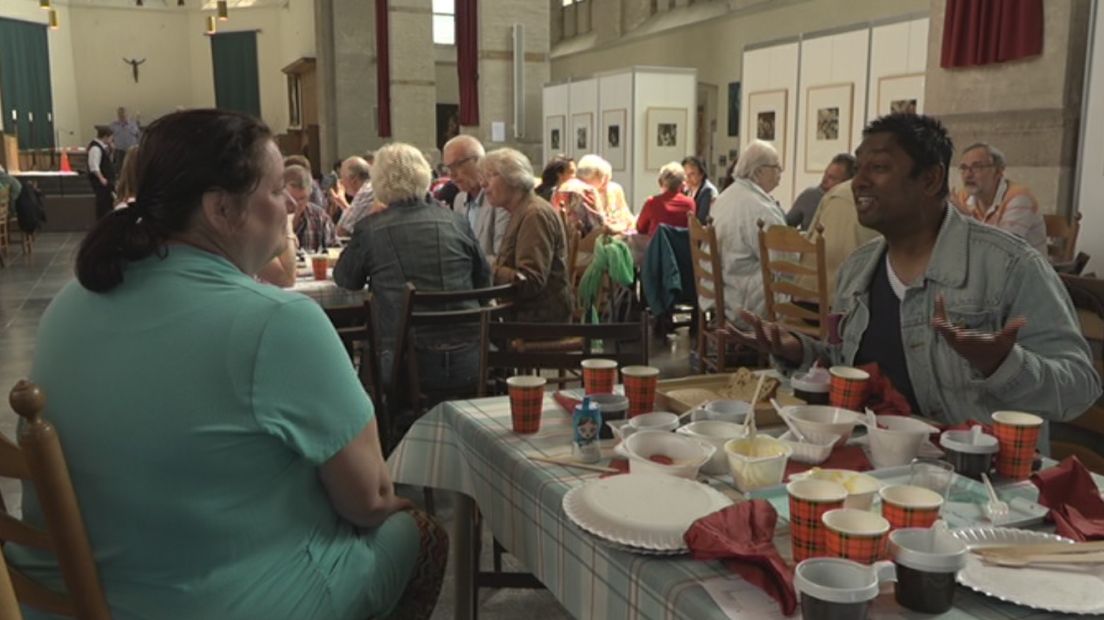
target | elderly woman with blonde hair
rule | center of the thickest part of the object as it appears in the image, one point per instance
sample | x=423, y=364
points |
x=735, y=214
x=415, y=240
x=533, y=252
x=610, y=203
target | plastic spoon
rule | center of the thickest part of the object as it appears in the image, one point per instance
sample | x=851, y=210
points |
x=749, y=421
x=995, y=509
x=975, y=434
x=871, y=420
x=789, y=423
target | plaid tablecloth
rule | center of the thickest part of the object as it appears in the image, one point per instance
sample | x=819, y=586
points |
x=468, y=447
x=326, y=293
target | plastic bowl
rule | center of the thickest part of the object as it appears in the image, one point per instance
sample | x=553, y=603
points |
x=757, y=463
x=814, y=452
x=686, y=454
x=818, y=421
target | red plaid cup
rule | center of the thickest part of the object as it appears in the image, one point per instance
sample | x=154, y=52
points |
x=526, y=402
x=855, y=535
x=640, y=388
x=1017, y=434
x=849, y=387
x=809, y=500
x=599, y=375
x=904, y=505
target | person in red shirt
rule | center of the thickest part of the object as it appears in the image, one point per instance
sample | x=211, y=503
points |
x=669, y=207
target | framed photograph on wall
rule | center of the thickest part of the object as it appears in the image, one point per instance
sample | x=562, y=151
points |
x=666, y=137
x=828, y=112
x=901, y=93
x=555, y=140
x=767, y=119
x=580, y=138
x=614, y=134
x=733, y=109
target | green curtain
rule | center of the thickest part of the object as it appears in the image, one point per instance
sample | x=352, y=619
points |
x=237, y=86
x=25, y=83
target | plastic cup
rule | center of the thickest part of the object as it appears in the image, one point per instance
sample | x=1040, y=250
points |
x=640, y=387
x=905, y=505
x=855, y=535
x=809, y=500
x=320, y=264
x=849, y=387
x=599, y=375
x=526, y=402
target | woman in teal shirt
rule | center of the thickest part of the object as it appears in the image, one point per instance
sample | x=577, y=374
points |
x=224, y=454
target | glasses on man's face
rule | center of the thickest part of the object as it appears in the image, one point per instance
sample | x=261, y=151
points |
x=454, y=166
x=777, y=167
x=973, y=168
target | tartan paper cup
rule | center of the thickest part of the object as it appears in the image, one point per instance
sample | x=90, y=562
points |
x=526, y=401
x=809, y=500
x=855, y=535
x=1017, y=434
x=905, y=505
x=849, y=387
x=640, y=387
x=599, y=375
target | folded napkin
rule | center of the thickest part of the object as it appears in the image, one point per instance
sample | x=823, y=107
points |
x=881, y=396
x=1073, y=498
x=843, y=457
x=742, y=538
x=565, y=400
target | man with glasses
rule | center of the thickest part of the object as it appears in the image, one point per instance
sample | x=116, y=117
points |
x=991, y=198
x=461, y=156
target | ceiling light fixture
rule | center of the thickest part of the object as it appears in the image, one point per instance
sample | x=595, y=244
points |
x=223, y=12
x=179, y=2
x=212, y=25
x=139, y=3
x=44, y=4
x=55, y=23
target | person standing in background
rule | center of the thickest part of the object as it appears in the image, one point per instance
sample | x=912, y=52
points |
x=101, y=171
x=126, y=133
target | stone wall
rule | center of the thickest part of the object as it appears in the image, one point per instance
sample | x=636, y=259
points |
x=1030, y=109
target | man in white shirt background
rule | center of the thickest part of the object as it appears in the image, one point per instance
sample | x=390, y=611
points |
x=461, y=156
x=126, y=133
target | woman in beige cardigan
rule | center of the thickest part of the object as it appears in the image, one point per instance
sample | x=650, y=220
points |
x=533, y=251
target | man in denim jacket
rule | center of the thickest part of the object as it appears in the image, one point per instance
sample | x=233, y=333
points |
x=963, y=318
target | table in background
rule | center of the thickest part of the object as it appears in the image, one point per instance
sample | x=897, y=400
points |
x=468, y=447
x=327, y=293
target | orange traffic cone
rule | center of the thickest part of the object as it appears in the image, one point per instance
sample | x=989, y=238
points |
x=65, y=167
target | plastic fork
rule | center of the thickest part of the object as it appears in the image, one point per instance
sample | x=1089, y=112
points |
x=995, y=508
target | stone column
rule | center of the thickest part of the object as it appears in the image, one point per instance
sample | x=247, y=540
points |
x=325, y=91
x=413, y=74
x=496, y=87
x=354, y=76
x=1030, y=109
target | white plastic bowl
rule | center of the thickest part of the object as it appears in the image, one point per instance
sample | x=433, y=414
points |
x=899, y=441
x=716, y=433
x=816, y=422
x=758, y=462
x=687, y=454
x=813, y=453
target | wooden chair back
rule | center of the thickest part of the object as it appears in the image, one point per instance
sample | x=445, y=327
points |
x=431, y=308
x=778, y=275
x=1084, y=436
x=1062, y=236
x=708, y=272
x=9, y=605
x=502, y=347
x=5, y=215
x=356, y=328
x=38, y=459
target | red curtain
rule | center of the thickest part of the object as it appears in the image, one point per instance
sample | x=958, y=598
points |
x=383, y=68
x=980, y=32
x=467, y=59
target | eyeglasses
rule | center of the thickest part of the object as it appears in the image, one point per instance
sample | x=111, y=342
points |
x=777, y=167
x=459, y=162
x=971, y=168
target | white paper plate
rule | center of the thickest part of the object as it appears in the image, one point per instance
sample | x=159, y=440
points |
x=1067, y=589
x=641, y=511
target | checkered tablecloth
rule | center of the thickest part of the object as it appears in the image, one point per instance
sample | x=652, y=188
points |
x=468, y=447
x=326, y=293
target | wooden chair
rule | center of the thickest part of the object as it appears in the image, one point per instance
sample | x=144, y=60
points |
x=9, y=605
x=355, y=327
x=503, y=347
x=5, y=216
x=1062, y=236
x=1084, y=436
x=38, y=458
x=807, y=309
x=713, y=341
x=436, y=309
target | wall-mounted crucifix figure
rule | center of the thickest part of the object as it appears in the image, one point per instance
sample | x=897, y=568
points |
x=134, y=66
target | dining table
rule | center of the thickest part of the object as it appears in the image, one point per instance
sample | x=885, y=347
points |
x=468, y=448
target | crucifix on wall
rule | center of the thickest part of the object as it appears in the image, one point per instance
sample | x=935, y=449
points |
x=134, y=66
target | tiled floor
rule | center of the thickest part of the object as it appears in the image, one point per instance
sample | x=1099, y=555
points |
x=28, y=284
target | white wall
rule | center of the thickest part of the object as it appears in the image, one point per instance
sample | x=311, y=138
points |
x=896, y=50
x=90, y=80
x=836, y=60
x=583, y=107
x=768, y=69
x=615, y=92
x=1090, y=194
x=554, y=103
x=658, y=87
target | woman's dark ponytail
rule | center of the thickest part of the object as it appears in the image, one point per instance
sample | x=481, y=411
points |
x=181, y=156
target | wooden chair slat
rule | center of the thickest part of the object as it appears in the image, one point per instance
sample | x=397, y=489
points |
x=16, y=531
x=783, y=287
x=797, y=312
x=790, y=268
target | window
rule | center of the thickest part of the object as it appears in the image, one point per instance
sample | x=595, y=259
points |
x=570, y=2
x=444, y=22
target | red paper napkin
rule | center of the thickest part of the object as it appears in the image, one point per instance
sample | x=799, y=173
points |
x=1073, y=498
x=567, y=402
x=882, y=397
x=742, y=538
x=843, y=457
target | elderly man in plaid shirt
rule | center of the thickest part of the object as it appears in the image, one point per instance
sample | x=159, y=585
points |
x=312, y=226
